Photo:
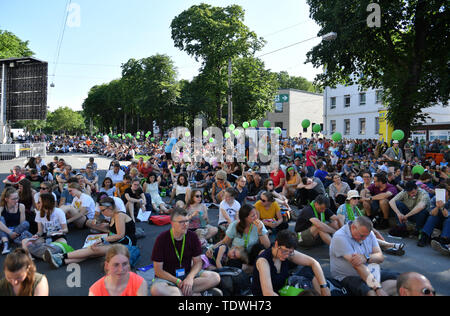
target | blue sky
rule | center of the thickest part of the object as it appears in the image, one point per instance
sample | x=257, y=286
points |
x=111, y=32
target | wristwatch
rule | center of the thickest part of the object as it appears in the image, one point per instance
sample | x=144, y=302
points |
x=367, y=258
x=324, y=286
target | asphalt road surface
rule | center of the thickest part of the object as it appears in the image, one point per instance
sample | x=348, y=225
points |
x=62, y=282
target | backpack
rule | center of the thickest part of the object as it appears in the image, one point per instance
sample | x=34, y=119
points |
x=234, y=282
x=135, y=254
x=159, y=220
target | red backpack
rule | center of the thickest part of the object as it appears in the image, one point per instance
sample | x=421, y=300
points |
x=159, y=220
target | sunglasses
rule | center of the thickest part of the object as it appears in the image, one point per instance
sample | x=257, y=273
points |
x=198, y=196
x=41, y=188
x=264, y=201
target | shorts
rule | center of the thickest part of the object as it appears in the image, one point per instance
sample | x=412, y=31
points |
x=169, y=156
x=357, y=287
x=308, y=239
x=158, y=280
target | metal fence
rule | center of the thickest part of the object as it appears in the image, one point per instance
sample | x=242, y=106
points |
x=25, y=150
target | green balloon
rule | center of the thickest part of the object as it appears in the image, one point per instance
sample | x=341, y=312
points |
x=206, y=133
x=187, y=134
x=236, y=132
x=337, y=137
x=152, y=139
x=317, y=128
x=245, y=125
x=254, y=123
x=139, y=133
x=161, y=143
x=138, y=137
x=398, y=135
x=278, y=131
x=418, y=169
x=232, y=127
x=267, y=124
x=227, y=135
x=120, y=135
x=211, y=140
x=306, y=123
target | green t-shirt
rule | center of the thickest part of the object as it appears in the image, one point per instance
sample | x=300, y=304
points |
x=7, y=290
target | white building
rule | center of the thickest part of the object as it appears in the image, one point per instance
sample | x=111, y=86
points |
x=355, y=113
x=292, y=107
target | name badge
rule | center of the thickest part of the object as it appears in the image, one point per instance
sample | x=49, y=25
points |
x=180, y=273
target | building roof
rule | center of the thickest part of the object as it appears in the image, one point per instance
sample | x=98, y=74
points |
x=303, y=91
x=21, y=59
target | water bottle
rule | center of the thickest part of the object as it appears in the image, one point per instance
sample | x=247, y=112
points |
x=202, y=220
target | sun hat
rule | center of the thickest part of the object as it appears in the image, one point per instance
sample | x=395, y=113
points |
x=352, y=194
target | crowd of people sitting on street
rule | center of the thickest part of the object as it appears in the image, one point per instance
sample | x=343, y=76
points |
x=339, y=194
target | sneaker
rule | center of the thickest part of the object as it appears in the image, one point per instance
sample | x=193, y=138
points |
x=212, y=292
x=423, y=241
x=443, y=249
x=56, y=261
x=397, y=250
x=6, y=250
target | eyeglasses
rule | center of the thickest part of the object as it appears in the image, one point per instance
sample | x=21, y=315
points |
x=264, y=201
x=182, y=222
x=427, y=291
x=42, y=188
x=269, y=183
x=287, y=252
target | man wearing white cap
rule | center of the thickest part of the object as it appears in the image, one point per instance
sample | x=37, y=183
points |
x=394, y=155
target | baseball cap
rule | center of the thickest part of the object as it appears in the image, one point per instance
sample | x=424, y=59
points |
x=395, y=142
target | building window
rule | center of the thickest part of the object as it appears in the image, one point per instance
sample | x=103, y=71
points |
x=346, y=127
x=362, y=126
x=377, y=125
x=362, y=99
x=379, y=96
x=333, y=126
x=279, y=124
x=333, y=103
x=347, y=101
x=278, y=107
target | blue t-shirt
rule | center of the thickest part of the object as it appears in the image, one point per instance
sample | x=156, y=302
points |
x=170, y=145
x=321, y=175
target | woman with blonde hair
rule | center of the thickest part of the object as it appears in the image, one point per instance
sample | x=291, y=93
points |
x=21, y=278
x=119, y=280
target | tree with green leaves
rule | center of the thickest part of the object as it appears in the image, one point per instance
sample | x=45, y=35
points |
x=408, y=55
x=13, y=47
x=66, y=120
x=285, y=81
x=214, y=35
x=152, y=82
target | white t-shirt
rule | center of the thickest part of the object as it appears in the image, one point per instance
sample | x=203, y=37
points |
x=231, y=210
x=87, y=202
x=57, y=219
x=115, y=177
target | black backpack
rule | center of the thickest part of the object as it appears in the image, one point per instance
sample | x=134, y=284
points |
x=234, y=282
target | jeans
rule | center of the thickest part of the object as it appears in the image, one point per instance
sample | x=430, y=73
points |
x=420, y=218
x=436, y=222
x=311, y=171
x=21, y=230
